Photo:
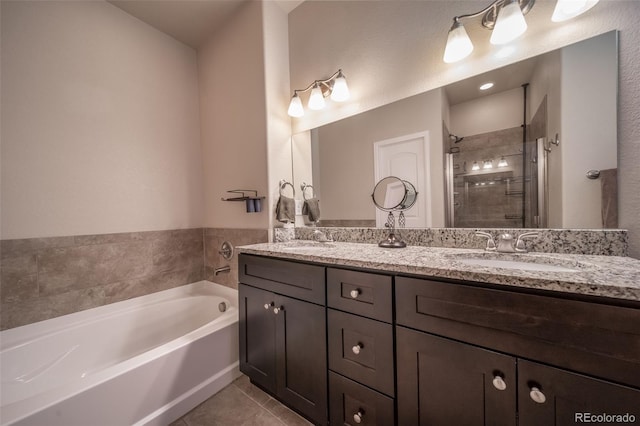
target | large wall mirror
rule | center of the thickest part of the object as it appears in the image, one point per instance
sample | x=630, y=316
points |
x=482, y=158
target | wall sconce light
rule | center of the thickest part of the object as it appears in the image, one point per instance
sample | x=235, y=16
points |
x=502, y=162
x=336, y=86
x=475, y=166
x=488, y=164
x=506, y=20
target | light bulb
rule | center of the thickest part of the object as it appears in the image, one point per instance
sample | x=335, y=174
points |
x=487, y=164
x=510, y=23
x=340, y=90
x=316, y=100
x=567, y=9
x=502, y=162
x=295, y=106
x=475, y=166
x=459, y=44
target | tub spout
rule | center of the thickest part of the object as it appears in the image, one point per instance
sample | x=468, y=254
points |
x=222, y=269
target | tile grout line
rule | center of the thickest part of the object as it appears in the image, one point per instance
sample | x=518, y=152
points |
x=260, y=405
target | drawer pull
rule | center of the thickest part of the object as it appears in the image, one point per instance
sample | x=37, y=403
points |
x=276, y=310
x=268, y=305
x=356, y=349
x=537, y=395
x=355, y=293
x=499, y=383
x=357, y=417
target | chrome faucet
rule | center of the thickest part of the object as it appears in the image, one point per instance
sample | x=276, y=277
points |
x=320, y=236
x=222, y=269
x=506, y=242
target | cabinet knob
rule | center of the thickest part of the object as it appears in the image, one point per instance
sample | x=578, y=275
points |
x=355, y=293
x=357, y=417
x=537, y=395
x=356, y=349
x=276, y=310
x=499, y=383
x=268, y=305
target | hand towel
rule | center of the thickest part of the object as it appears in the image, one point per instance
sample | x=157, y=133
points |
x=286, y=209
x=609, y=182
x=311, y=207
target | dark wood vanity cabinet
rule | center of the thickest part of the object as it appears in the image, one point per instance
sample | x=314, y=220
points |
x=465, y=356
x=283, y=339
x=352, y=347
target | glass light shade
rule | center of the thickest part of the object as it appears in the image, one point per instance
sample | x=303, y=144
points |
x=316, y=100
x=295, y=107
x=488, y=164
x=475, y=166
x=509, y=25
x=340, y=90
x=567, y=9
x=502, y=162
x=459, y=44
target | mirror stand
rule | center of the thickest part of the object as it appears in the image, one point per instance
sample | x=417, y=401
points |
x=392, y=241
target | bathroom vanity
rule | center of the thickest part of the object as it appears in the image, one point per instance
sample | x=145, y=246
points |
x=354, y=334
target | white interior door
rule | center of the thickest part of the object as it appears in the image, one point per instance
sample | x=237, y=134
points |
x=406, y=157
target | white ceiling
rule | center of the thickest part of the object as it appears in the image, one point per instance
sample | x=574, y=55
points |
x=189, y=21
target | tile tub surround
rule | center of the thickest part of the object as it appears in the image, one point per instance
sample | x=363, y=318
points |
x=608, y=242
x=42, y=278
x=213, y=239
x=605, y=276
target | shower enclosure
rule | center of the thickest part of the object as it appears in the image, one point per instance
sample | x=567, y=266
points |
x=498, y=179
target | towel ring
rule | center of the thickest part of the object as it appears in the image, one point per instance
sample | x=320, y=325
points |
x=283, y=185
x=304, y=187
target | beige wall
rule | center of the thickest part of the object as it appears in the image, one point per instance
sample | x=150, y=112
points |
x=587, y=126
x=100, y=128
x=390, y=50
x=488, y=113
x=231, y=74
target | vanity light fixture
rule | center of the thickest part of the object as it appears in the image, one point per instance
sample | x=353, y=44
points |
x=506, y=20
x=488, y=164
x=486, y=86
x=336, y=86
x=502, y=162
x=475, y=166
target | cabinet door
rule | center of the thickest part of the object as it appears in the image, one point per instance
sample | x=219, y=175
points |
x=301, y=357
x=257, y=336
x=444, y=382
x=563, y=398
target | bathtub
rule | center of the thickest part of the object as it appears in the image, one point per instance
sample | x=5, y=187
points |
x=143, y=361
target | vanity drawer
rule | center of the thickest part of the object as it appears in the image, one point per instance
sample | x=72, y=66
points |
x=361, y=349
x=361, y=293
x=298, y=280
x=353, y=404
x=581, y=335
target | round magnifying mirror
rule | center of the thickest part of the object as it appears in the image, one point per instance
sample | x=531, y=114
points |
x=389, y=193
x=392, y=193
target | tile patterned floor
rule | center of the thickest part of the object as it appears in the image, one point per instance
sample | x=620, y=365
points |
x=241, y=404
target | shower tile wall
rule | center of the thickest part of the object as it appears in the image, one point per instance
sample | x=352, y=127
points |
x=213, y=239
x=488, y=197
x=42, y=278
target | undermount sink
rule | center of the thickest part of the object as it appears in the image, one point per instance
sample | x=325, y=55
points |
x=515, y=264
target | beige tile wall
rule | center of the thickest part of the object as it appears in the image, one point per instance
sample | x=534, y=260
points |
x=213, y=239
x=41, y=278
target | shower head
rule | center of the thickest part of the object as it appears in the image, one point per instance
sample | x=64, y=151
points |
x=455, y=139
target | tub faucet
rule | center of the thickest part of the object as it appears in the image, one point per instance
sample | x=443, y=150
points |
x=222, y=269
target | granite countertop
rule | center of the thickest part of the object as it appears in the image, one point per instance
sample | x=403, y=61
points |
x=607, y=276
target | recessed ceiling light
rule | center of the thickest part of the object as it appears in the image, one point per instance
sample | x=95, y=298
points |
x=486, y=86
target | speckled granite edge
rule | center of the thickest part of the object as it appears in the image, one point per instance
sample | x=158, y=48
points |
x=604, y=276
x=607, y=242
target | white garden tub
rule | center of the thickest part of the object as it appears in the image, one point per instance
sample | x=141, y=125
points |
x=142, y=361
